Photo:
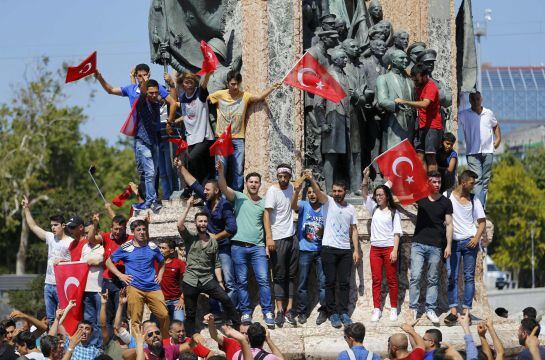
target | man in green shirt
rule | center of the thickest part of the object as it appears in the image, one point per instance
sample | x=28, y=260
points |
x=248, y=245
x=202, y=262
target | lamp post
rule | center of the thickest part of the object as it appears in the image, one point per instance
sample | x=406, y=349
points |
x=480, y=31
x=533, y=256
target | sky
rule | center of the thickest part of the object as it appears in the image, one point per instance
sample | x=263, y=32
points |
x=68, y=31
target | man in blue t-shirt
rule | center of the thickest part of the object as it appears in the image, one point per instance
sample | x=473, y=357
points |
x=140, y=256
x=310, y=230
x=147, y=139
x=354, y=335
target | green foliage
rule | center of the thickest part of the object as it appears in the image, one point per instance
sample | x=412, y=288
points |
x=516, y=205
x=44, y=153
x=31, y=300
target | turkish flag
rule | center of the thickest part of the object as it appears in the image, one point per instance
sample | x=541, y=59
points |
x=120, y=199
x=129, y=126
x=181, y=143
x=405, y=171
x=87, y=67
x=224, y=145
x=210, y=61
x=309, y=75
x=71, y=280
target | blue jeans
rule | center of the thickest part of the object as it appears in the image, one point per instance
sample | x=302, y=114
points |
x=306, y=259
x=421, y=254
x=91, y=313
x=481, y=164
x=254, y=256
x=146, y=165
x=167, y=174
x=461, y=251
x=51, y=300
x=234, y=166
x=172, y=312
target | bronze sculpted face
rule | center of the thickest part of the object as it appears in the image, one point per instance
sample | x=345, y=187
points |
x=375, y=10
x=339, y=57
x=330, y=41
x=415, y=51
x=378, y=47
x=399, y=59
x=401, y=40
x=352, y=48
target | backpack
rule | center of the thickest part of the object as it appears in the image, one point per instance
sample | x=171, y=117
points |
x=259, y=356
x=352, y=356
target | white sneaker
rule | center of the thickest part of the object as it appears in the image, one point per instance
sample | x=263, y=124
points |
x=376, y=315
x=432, y=316
x=393, y=315
x=414, y=315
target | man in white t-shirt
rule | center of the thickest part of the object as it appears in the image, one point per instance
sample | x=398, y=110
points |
x=281, y=246
x=340, y=248
x=93, y=254
x=58, y=243
x=482, y=135
x=466, y=211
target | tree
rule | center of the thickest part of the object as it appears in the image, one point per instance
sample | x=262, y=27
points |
x=31, y=300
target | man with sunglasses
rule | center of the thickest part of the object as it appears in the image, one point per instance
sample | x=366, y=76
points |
x=156, y=350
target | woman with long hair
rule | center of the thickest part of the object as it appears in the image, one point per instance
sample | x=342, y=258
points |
x=385, y=235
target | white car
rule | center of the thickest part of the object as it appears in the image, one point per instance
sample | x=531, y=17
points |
x=494, y=277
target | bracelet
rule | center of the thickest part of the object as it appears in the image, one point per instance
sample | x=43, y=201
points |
x=69, y=349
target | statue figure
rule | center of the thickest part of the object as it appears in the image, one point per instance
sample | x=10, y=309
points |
x=401, y=42
x=327, y=39
x=338, y=7
x=364, y=18
x=340, y=131
x=218, y=79
x=312, y=12
x=415, y=49
x=373, y=67
x=428, y=57
x=342, y=30
x=176, y=28
x=375, y=12
x=383, y=31
x=398, y=120
x=327, y=23
x=386, y=27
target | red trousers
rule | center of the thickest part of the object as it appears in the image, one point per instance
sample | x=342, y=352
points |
x=379, y=259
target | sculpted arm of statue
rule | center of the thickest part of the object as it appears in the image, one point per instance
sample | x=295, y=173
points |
x=382, y=95
x=107, y=87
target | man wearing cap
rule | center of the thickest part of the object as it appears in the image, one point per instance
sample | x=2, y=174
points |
x=430, y=123
x=328, y=22
x=76, y=228
x=428, y=57
x=415, y=49
x=282, y=247
x=327, y=39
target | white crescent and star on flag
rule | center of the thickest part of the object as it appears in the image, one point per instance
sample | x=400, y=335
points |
x=70, y=281
x=86, y=68
x=399, y=160
x=319, y=85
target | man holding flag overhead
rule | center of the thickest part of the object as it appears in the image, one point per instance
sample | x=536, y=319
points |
x=232, y=104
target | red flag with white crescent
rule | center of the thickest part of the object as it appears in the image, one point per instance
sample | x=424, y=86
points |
x=71, y=281
x=223, y=146
x=404, y=169
x=129, y=126
x=210, y=60
x=86, y=68
x=311, y=76
x=181, y=145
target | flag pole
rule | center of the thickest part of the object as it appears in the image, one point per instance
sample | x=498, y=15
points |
x=293, y=67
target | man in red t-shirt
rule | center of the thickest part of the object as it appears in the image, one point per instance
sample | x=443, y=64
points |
x=76, y=229
x=398, y=344
x=172, y=278
x=430, y=122
x=177, y=337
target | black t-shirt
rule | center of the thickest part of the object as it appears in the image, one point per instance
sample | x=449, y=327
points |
x=430, y=221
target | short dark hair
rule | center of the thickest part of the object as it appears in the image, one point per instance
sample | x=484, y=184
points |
x=138, y=222
x=119, y=219
x=188, y=356
x=58, y=218
x=419, y=68
x=448, y=136
x=501, y=312
x=474, y=93
x=530, y=312
x=175, y=322
x=253, y=174
x=152, y=83
x=2, y=330
x=436, y=335
x=340, y=183
x=8, y=323
x=41, y=314
x=356, y=331
x=171, y=245
x=528, y=324
x=466, y=175
x=284, y=165
x=48, y=344
x=256, y=335
x=434, y=174
x=233, y=74
x=85, y=322
x=201, y=213
x=25, y=338
x=141, y=67
x=213, y=182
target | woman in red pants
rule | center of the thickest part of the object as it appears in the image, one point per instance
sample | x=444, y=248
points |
x=385, y=234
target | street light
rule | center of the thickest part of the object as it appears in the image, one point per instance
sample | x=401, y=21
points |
x=533, y=255
x=480, y=31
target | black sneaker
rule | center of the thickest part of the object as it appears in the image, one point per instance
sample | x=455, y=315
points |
x=322, y=318
x=302, y=318
x=279, y=320
x=451, y=319
x=290, y=318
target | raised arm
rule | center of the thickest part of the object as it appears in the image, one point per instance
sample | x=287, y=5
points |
x=204, y=82
x=109, y=210
x=94, y=237
x=38, y=231
x=297, y=187
x=186, y=175
x=496, y=341
x=417, y=339
x=102, y=318
x=181, y=220
x=481, y=330
x=321, y=195
x=275, y=350
x=214, y=334
x=222, y=183
x=471, y=349
x=107, y=87
x=244, y=345
x=365, y=184
x=119, y=311
x=450, y=229
x=41, y=327
x=264, y=94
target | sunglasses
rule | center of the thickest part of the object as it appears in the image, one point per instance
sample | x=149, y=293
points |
x=156, y=332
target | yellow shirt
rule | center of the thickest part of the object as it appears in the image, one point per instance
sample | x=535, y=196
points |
x=231, y=111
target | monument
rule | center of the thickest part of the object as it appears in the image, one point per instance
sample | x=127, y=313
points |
x=267, y=38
